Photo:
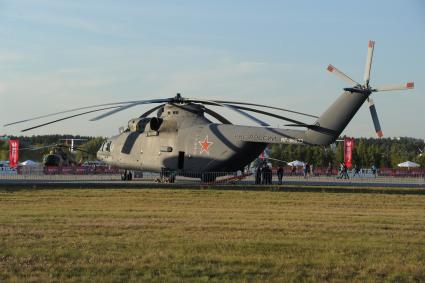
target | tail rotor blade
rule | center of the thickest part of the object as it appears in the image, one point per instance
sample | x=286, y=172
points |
x=375, y=119
x=409, y=85
x=369, y=62
x=341, y=75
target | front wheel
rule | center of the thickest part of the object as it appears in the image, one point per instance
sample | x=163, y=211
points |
x=126, y=176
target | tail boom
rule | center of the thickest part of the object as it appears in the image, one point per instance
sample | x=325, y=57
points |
x=336, y=118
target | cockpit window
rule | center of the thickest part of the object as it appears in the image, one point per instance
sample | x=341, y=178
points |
x=106, y=146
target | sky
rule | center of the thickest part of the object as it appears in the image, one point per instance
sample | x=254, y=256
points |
x=57, y=55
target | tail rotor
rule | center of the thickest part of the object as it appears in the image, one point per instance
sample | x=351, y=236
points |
x=366, y=88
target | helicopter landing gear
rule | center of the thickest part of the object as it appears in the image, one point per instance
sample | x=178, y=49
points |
x=165, y=180
x=166, y=176
x=126, y=176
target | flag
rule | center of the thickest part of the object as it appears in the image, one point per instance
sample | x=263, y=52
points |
x=348, y=152
x=13, y=153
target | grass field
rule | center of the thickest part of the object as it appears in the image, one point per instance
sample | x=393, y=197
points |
x=115, y=235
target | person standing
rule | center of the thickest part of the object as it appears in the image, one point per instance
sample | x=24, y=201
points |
x=267, y=175
x=345, y=171
x=305, y=169
x=356, y=171
x=341, y=171
x=264, y=174
x=374, y=171
x=258, y=176
x=280, y=174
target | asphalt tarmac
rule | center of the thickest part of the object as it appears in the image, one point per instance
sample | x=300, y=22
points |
x=150, y=181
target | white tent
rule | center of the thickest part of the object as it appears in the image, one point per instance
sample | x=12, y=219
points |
x=408, y=164
x=28, y=163
x=296, y=163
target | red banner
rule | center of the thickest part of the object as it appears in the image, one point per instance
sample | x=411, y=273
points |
x=348, y=152
x=13, y=153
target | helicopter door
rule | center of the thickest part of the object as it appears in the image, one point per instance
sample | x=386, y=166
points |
x=180, y=164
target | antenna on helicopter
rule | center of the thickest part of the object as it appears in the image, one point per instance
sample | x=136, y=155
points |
x=366, y=88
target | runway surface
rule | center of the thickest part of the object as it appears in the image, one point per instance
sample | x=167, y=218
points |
x=149, y=181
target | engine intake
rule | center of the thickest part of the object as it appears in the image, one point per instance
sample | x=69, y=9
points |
x=138, y=124
x=155, y=123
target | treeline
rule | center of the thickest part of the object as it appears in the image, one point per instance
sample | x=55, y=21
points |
x=383, y=153
x=91, y=145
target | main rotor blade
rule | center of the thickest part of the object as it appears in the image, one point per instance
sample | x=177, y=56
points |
x=266, y=106
x=375, y=119
x=125, y=107
x=232, y=107
x=82, y=150
x=68, y=117
x=66, y=111
x=409, y=85
x=147, y=113
x=278, y=160
x=239, y=108
x=271, y=115
x=217, y=116
x=341, y=75
x=32, y=148
x=369, y=58
x=41, y=147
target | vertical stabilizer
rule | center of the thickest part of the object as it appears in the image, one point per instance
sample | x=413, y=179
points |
x=336, y=118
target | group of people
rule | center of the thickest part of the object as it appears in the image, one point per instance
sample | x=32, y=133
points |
x=264, y=175
x=343, y=171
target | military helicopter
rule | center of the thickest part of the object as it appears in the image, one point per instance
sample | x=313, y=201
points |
x=60, y=154
x=181, y=139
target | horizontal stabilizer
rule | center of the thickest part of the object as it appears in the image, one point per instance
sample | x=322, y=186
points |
x=315, y=128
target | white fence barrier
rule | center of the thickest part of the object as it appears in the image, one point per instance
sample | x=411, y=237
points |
x=212, y=178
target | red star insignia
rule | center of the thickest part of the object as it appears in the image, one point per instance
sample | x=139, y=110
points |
x=205, y=145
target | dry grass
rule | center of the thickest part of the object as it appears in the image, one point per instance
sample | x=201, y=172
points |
x=138, y=235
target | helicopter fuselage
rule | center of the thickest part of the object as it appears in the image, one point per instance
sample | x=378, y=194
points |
x=185, y=141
